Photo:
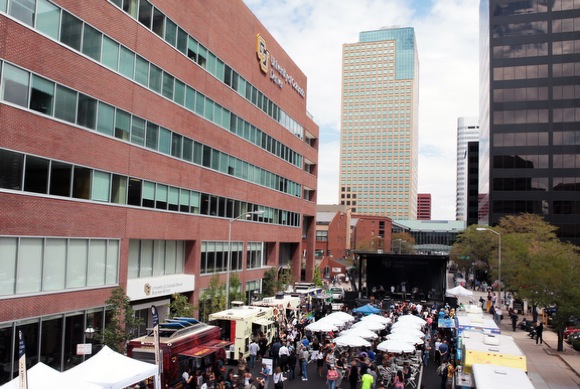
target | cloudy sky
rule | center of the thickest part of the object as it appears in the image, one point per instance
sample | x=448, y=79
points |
x=313, y=32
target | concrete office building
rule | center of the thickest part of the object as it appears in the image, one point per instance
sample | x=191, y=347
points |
x=467, y=131
x=142, y=145
x=379, y=124
x=530, y=112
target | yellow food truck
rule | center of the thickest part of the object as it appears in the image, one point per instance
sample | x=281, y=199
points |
x=490, y=349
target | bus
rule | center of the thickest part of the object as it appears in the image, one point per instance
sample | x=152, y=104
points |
x=183, y=343
x=240, y=324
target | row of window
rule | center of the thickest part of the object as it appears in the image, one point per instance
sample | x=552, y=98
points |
x=536, y=206
x=520, y=94
x=154, y=258
x=28, y=90
x=214, y=256
x=521, y=50
x=559, y=161
x=526, y=184
x=520, y=72
x=40, y=175
x=566, y=47
x=155, y=20
x=73, y=32
x=523, y=116
x=521, y=139
x=35, y=265
x=521, y=29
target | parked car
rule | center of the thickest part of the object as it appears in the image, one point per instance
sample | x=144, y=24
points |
x=573, y=337
x=337, y=293
x=573, y=326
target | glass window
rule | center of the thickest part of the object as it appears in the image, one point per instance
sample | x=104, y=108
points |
x=179, y=93
x=42, y=95
x=36, y=174
x=182, y=41
x=97, y=262
x=142, y=71
x=127, y=63
x=176, y=142
x=145, y=10
x=22, y=10
x=53, y=274
x=70, y=31
x=161, y=196
x=81, y=182
x=165, y=141
x=101, y=188
x=60, y=178
x=106, y=118
x=131, y=7
x=29, y=265
x=168, y=81
x=188, y=149
x=152, y=136
x=76, y=270
x=110, y=53
x=170, y=32
x=15, y=85
x=112, y=269
x=12, y=167
x=8, y=249
x=47, y=18
x=190, y=99
x=92, y=42
x=146, y=259
x=3, y=4
x=119, y=189
x=155, y=78
x=158, y=22
x=65, y=104
x=138, y=131
x=87, y=111
x=122, y=125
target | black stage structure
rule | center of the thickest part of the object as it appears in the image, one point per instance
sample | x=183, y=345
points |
x=414, y=277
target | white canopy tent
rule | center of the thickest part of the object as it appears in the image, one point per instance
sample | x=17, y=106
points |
x=41, y=376
x=111, y=370
x=351, y=341
x=377, y=318
x=362, y=332
x=459, y=291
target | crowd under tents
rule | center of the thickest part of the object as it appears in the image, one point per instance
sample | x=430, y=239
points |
x=105, y=370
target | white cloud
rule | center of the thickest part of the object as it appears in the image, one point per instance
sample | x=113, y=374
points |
x=313, y=32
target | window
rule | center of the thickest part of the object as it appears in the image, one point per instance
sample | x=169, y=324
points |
x=70, y=31
x=22, y=10
x=15, y=85
x=42, y=95
x=87, y=112
x=138, y=131
x=106, y=118
x=122, y=125
x=110, y=53
x=65, y=104
x=92, y=43
x=47, y=18
x=145, y=11
x=127, y=63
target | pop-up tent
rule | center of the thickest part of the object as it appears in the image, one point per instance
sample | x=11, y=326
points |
x=112, y=370
x=367, y=309
x=41, y=376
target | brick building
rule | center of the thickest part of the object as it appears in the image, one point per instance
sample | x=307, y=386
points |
x=142, y=145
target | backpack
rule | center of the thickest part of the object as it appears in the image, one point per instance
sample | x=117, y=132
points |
x=442, y=370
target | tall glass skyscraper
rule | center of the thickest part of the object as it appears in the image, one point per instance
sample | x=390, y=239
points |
x=467, y=131
x=379, y=130
x=530, y=111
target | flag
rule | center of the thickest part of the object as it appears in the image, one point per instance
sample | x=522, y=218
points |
x=155, y=316
x=22, y=376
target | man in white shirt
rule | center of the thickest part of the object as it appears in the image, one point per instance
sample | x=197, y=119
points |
x=283, y=354
x=254, y=347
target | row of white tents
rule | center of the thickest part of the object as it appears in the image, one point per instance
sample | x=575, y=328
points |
x=107, y=369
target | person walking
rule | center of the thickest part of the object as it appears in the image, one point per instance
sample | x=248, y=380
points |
x=353, y=375
x=254, y=347
x=304, y=362
x=331, y=376
x=539, y=332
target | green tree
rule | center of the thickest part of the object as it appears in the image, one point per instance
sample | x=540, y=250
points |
x=122, y=324
x=235, y=288
x=212, y=299
x=180, y=306
x=402, y=243
x=317, y=277
x=541, y=268
x=269, y=282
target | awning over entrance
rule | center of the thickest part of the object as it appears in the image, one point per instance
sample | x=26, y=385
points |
x=199, y=351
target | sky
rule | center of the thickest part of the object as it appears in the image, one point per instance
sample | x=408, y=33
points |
x=446, y=34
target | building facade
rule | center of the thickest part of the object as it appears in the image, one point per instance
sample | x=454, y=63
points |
x=467, y=131
x=530, y=112
x=379, y=124
x=472, y=183
x=424, y=206
x=145, y=145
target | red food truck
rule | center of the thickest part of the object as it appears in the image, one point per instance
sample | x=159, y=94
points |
x=183, y=343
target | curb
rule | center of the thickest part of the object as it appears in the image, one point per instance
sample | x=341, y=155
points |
x=556, y=354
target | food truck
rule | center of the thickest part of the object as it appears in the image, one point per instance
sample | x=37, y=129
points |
x=285, y=306
x=240, y=324
x=183, y=343
x=493, y=349
x=494, y=377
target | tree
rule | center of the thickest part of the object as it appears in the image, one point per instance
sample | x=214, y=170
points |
x=180, y=306
x=541, y=268
x=212, y=299
x=402, y=243
x=235, y=288
x=317, y=277
x=269, y=282
x=122, y=322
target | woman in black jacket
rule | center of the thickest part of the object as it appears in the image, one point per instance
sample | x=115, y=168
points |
x=353, y=375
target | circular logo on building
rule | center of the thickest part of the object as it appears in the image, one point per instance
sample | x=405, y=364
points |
x=147, y=289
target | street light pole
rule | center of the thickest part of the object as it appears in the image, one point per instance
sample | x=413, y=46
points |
x=228, y=266
x=498, y=260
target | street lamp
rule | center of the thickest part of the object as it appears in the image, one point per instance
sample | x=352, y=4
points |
x=245, y=214
x=498, y=259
